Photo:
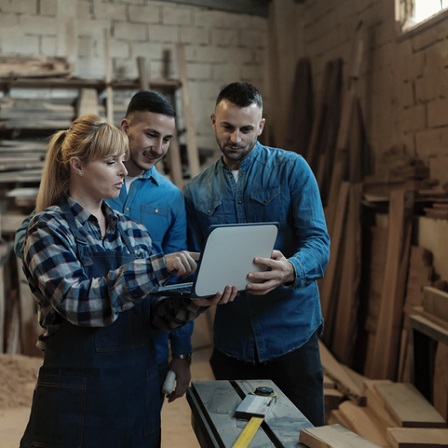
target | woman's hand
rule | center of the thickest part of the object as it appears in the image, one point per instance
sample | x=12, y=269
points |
x=220, y=298
x=182, y=263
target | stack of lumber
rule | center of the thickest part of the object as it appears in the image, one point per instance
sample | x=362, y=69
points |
x=36, y=113
x=374, y=413
x=396, y=170
x=33, y=67
x=18, y=112
x=21, y=160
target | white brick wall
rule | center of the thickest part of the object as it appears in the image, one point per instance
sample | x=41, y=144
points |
x=404, y=80
x=221, y=47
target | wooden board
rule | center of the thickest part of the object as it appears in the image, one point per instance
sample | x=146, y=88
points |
x=408, y=406
x=343, y=340
x=192, y=146
x=440, y=385
x=387, y=342
x=364, y=422
x=417, y=438
x=329, y=287
x=376, y=405
x=344, y=381
x=15, y=66
x=333, y=436
x=435, y=301
x=332, y=400
x=87, y=102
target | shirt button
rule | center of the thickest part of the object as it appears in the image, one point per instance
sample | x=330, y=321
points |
x=240, y=202
x=156, y=210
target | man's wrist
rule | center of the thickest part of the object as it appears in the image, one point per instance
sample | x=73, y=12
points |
x=184, y=356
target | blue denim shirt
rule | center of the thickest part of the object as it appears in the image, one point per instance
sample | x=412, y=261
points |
x=273, y=185
x=158, y=204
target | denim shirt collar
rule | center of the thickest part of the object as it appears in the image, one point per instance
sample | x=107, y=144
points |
x=246, y=162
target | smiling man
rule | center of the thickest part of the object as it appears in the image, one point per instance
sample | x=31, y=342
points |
x=271, y=330
x=152, y=199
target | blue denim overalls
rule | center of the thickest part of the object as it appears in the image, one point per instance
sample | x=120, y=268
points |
x=98, y=387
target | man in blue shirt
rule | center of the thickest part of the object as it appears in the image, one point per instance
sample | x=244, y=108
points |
x=150, y=198
x=271, y=330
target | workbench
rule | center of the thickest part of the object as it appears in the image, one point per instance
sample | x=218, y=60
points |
x=213, y=404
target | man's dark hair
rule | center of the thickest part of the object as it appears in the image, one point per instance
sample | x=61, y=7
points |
x=242, y=94
x=150, y=101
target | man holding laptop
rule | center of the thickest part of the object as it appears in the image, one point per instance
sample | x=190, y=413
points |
x=271, y=330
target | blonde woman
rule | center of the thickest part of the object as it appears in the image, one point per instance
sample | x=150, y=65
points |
x=91, y=271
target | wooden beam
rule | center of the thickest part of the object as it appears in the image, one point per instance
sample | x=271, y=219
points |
x=192, y=146
x=108, y=77
x=252, y=7
x=386, y=349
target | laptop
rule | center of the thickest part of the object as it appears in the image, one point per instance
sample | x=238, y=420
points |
x=227, y=258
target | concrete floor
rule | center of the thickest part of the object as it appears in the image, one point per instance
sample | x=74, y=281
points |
x=176, y=416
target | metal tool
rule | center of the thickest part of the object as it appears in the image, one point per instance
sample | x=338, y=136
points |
x=255, y=406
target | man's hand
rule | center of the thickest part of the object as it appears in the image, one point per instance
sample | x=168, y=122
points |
x=183, y=377
x=182, y=263
x=280, y=271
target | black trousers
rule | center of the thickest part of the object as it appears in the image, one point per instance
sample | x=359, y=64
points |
x=298, y=374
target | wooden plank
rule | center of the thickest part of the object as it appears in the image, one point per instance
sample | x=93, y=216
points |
x=23, y=66
x=330, y=130
x=440, y=381
x=442, y=323
x=108, y=77
x=87, y=102
x=417, y=438
x=364, y=422
x=408, y=406
x=143, y=72
x=344, y=381
x=357, y=145
x=78, y=83
x=341, y=158
x=329, y=284
x=435, y=301
x=429, y=327
x=313, y=151
x=192, y=146
x=333, y=436
x=332, y=400
x=343, y=340
x=175, y=163
x=376, y=405
x=301, y=105
x=386, y=350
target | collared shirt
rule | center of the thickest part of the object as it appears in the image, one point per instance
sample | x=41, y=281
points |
x=62, y=289
x=278, y=186
x=158, y=204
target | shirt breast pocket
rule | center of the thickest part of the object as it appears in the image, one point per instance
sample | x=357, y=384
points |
x=156, y=212
x=267, y=205
x=212, y=212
